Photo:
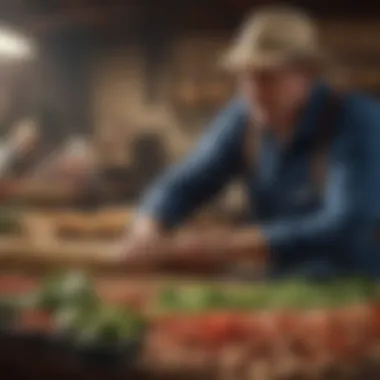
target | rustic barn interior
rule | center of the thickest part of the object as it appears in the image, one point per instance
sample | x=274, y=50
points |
x=117, y=69
x=134, y=83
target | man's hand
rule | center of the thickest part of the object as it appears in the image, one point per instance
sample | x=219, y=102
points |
x=149, y=247
x=220, y=247
x=249, y=243
x=202, y=246
x=142, y=246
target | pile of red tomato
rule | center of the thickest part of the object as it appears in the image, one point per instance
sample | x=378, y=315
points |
x=352, y=330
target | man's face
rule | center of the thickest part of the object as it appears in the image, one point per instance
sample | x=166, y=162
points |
x=274, y=91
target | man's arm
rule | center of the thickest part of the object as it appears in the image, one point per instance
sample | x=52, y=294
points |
x=188, y=185
x=323, y=227
x=342, y=201
x=206, y=170
x=327, y=224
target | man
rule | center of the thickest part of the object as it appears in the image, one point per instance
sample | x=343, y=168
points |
x=311, y=158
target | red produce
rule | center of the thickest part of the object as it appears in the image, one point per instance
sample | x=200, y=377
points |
x=375, y=321
x=221, y=328
x=288, y=323
x=186, y=329
x=350, y=338
x=262, y=333
x=16, y=284
x=36, y=321
x=311, y=336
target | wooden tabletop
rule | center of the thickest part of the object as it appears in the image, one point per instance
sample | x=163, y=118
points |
x=23, y=360
x=165, y=363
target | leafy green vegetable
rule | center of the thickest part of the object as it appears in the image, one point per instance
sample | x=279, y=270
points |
x=169, y=299
x=109, y=325
x=71, y=318
x=350, y=291
x=74, y=288
x=200, y=298
x=9, y=221
x=8, y=310
x=193, y=298
x=296, y=293
x=249, y=297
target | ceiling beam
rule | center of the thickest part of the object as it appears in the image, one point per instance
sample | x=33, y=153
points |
x=79, y=17
x=194, y=15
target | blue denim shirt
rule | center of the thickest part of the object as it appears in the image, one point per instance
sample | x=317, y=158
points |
x=324, y=230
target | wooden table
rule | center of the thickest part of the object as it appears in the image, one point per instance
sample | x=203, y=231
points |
x=52, y=254
x=21, y=361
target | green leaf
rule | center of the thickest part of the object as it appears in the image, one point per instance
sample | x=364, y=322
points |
x=70, y=289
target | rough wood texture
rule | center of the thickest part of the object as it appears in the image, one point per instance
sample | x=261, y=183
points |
x=103, y=257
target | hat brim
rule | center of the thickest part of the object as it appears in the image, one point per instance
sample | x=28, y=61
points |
x=236, y=61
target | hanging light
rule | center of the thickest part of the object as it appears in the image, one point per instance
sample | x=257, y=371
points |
x=15, y=46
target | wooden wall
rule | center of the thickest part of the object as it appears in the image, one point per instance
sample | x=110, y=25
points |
x=191, y=88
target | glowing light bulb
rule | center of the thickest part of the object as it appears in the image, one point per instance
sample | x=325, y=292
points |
x=14, y=45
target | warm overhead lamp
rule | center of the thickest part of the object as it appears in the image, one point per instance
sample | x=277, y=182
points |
x=15, y=46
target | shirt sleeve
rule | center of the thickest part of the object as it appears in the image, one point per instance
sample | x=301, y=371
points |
x=337, y=210
x=202, y=174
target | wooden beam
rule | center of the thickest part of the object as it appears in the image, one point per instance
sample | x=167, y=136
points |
x=82, y=17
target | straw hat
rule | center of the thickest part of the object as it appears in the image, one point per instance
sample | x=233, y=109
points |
x=273, y=37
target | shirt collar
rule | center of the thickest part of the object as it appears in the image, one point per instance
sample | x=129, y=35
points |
x=306, y=125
